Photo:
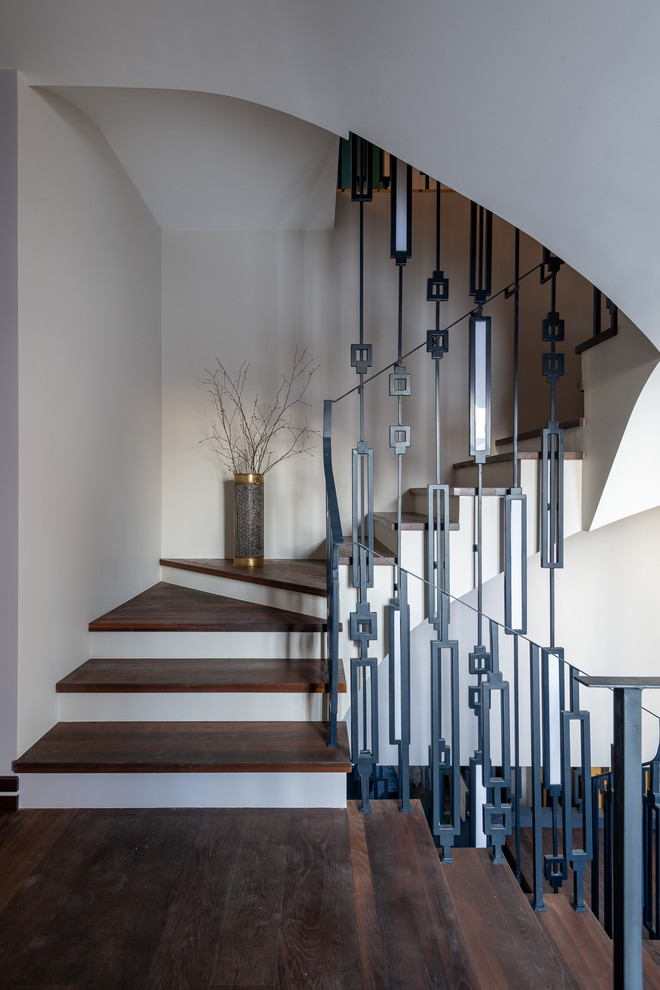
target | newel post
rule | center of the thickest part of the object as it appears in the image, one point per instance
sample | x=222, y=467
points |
x=627, y=794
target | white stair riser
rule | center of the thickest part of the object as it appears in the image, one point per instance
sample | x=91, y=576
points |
x=183, y=790
x=246, y=591
x=191, y=707
x=166, y=645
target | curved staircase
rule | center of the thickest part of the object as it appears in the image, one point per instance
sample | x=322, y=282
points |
x=196, y=698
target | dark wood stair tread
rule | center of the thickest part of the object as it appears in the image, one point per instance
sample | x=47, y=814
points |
x=382, y=554
x=179, y=747
x=567, y=424
x=212, y=674
x=409, y=932
x=523, y=455
x=509, y=948
x=169, y=607
x=410, y=521
x=307, y=576
x=581, y=940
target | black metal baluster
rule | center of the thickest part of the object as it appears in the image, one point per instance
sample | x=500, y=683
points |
x=481, y=240
x=577, y=858
x=399, y=440
x=363, y=622
x=537, y=809
x=497, y=811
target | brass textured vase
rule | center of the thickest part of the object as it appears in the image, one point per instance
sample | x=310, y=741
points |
x=248, y=520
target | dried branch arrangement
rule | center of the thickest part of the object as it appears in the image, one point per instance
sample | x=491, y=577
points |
x=250, y=436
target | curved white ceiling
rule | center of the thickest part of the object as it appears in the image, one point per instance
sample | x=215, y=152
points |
x=207, y=162
x=544, y=113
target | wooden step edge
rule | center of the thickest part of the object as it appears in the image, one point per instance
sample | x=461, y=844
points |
x=509, y=943
x=523, y=455
x=190, y=625
x=91, y=677
x=567, y=424
x=383, y=556
x=275, y=573
x=410, y=521
x=187, y=747
x=580, y=940
x=169, y=607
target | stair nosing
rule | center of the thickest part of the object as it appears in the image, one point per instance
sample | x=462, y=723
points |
x=272, y=619
x=246, y=757
x=253, y=575
x=71, y=685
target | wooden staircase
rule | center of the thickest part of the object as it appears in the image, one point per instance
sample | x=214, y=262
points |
x=193, y=697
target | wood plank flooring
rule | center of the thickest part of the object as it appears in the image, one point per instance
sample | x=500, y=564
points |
x=222, y=675
x=201, y=899
x=408, y=930
x=173, y=747
x=509, y=948
x=293, y=575
x=181, y=899
x=170, y=607
x=581, y=937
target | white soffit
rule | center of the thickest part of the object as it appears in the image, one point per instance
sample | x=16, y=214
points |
x=207, y=162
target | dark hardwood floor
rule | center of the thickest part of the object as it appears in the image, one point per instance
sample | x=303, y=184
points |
x=203, y=899
x=177, y=899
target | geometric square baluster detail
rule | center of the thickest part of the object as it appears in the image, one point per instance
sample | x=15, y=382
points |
x=364, y=721
x=515, y=561
x=437, y=343
x=438, y=558
x=363, y=624
x=437, y=287
x=552, y=496
x=553, y=328
x=577, y=858
x=361, y=357
x=399, y=381
x=497, y=813
x=445, y=759
x=552, y=367
x=363, y=514
x=399, y=438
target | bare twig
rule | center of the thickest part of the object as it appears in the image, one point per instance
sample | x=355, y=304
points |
x=251, y=437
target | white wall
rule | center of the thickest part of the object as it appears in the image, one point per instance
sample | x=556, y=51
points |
x=622, y=406
x=244, y=295
x=8, y=416
x=89, y=394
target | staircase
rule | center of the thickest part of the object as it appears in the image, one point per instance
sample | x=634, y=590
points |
x=194, y=697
